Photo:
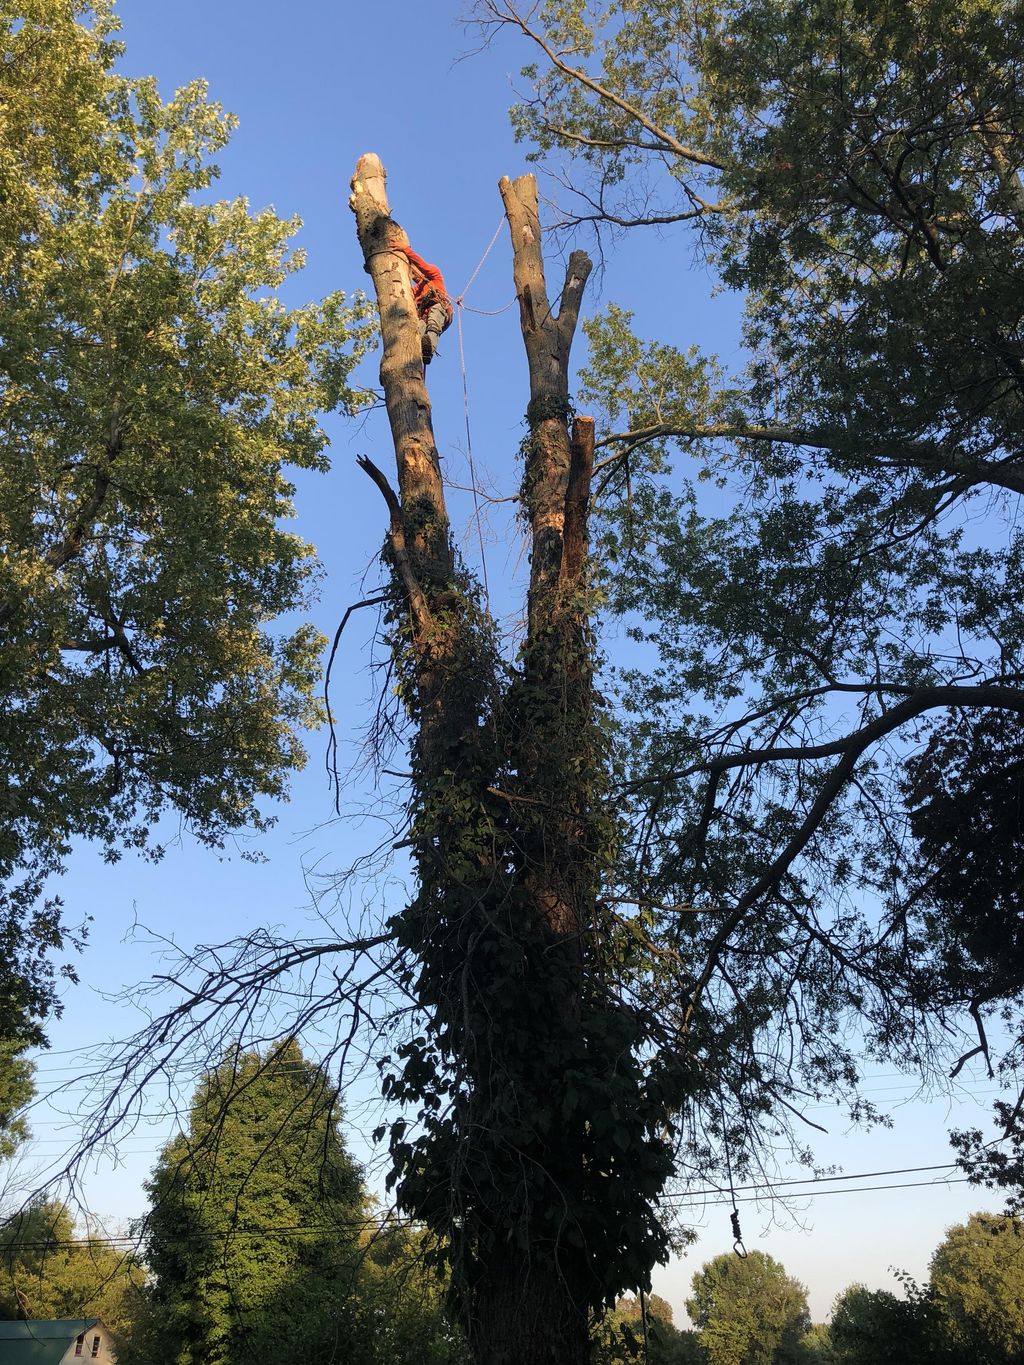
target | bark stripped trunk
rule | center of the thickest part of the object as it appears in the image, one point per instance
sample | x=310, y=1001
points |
x=419, y=533
x=504, y=778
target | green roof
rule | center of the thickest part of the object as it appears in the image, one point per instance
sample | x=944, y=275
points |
x=40, y=1343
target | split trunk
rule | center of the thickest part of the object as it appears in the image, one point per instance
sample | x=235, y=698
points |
x=513, y=1160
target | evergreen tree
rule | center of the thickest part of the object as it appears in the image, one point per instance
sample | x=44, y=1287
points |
x=260, y=1235
x=257, y=1211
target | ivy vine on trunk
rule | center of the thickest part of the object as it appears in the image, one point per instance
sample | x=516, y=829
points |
x=537, y=1137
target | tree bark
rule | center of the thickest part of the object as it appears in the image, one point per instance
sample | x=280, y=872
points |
x=548, y=339
x=532, y=1302
x=419, y=533
x=507, y=772
x=401, y=371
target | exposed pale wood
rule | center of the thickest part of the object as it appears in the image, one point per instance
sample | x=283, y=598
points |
x=548, y=339
x=401, y=367
x=419, y=531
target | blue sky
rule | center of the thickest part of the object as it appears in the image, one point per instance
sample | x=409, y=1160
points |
x=314, y=85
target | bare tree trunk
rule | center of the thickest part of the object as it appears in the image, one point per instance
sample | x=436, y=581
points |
x=512, y=1167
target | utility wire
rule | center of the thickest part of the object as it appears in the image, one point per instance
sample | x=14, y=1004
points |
x=826, y=1179
x=128, y=1240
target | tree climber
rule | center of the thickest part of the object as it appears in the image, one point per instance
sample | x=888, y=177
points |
x=433, y=306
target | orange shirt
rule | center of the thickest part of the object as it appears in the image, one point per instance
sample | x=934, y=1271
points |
x=430, y=280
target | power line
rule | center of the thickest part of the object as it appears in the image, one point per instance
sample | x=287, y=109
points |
x=133, y=1240
x=128, y=1240
x=818, y=1194
x=826, y=1179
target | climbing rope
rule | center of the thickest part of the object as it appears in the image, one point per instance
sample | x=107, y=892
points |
x=461, y=307
x=485, y=312
x=480, y=262
x=472, y=466
x=734, y=1217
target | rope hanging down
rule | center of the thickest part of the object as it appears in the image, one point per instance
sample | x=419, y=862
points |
x=469, y=457
x=734, y=1216
x=461, y=306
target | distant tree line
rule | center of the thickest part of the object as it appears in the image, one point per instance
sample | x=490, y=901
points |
x=261, y=1235
x=751, y=1312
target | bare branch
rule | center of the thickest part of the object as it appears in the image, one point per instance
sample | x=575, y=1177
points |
x=506, y=13
x=903, y=455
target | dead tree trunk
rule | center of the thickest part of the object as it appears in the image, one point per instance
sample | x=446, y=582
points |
x=534, y=1145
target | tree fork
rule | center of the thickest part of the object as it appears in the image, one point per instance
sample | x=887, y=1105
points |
x=526, y=1185
x=548, y=339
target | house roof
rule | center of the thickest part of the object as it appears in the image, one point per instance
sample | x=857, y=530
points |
x=40, y=1343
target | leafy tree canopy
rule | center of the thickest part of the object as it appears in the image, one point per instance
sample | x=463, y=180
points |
x=977, y=1278
x=154, y=392
x=818, y=554
x=48, y=1272
x=748, y=1311
x=866, y=1322
x=16, y=1089
x=259, y=1232
x=618, y=1339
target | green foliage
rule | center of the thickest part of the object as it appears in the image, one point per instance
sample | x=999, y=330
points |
x=154, y=392
x=402, y=1318
x=818, y=557
x=260, y=1231
x=965, y=791
x=16, y=1090
x=256, y=1214
x=748, y=1311
x=618, y=1338
x=968, y=1314
x=816, y=1346
x=47, y=1272
x=997, y=1165
x=977, y=1279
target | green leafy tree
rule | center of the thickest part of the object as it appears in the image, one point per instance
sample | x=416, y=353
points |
x=618, y=1338
x=257, y=1211
x=46, y=1271
x=260, y=1232
x=154, y=392
x=997, y=1166
x=820, y=553
x=816, y=1345
x=16, y=1089
x=977, y=1279
x=866, y=1323
x=748, y=1311
x=402, y=1311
